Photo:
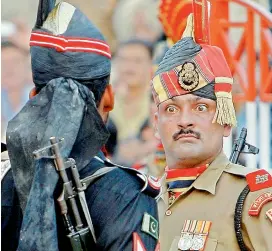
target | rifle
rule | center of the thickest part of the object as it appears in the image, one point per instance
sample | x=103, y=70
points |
x=239, y=147
x=72, y=200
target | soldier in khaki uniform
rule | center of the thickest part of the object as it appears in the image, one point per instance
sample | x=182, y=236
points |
x=207, y=203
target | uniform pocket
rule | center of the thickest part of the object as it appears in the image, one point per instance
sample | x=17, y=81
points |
x=210, y=244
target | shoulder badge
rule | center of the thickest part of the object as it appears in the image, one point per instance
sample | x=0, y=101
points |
x=257, y=205
x=259, y=180
x=269, y=214
x=150, y=226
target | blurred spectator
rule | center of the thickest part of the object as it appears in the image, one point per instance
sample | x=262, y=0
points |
x=100, y=13
x=143, y=151
x=138, y=151
x=16, y=71
x=152, y=158
x=138, y=19
x=133, y=69
x=154, y=164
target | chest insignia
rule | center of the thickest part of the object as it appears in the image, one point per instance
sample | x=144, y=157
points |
x=194, y=235
x=257, y=205
x=269, y=214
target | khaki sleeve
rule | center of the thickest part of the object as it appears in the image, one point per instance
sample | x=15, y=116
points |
x=258, y=228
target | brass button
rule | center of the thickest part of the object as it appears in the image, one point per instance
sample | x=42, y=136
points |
x=168, y=212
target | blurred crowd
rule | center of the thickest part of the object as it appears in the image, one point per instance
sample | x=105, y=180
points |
x=137, y=44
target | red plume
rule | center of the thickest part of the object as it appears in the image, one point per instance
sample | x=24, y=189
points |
x=173, y=16
x=201, y=10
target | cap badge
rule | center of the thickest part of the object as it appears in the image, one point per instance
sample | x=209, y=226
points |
x=188, y=77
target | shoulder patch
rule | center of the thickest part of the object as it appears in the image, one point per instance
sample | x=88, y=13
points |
x=269, y=214
x=259, y=180
x=150, y=226
x=260, y=201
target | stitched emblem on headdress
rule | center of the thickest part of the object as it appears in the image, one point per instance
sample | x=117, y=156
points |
x=188, y=77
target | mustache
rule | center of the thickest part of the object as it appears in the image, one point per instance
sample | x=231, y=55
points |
x=183, y=131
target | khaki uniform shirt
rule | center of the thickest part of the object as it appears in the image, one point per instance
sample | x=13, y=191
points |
x=212, y=197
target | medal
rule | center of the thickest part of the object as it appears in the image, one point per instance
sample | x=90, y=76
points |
x=194, y=235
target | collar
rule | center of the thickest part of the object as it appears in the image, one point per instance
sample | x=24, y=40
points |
x=206, y=181
x=175, y=174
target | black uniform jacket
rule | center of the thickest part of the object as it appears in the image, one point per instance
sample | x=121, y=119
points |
x=116, y=203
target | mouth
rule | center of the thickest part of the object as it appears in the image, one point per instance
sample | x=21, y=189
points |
x=187, y=136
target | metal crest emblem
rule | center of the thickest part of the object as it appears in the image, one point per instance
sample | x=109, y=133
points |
x=198, y=242
x=188, y=77
x=185, y=242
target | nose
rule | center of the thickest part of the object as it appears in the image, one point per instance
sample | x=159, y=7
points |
x=186, y=120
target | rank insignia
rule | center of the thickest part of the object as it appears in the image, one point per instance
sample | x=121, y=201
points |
x=269, y=214
x=150, y=226
x=259, y=180
x=188, y=76
x=137, y=243
x=194, y=235
x=257, y=205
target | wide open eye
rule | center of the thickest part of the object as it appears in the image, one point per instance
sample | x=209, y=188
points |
x=171, y=109
x=201, y=108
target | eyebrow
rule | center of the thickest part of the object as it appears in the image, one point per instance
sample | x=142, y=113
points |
x=194, y=99
x=199, y=98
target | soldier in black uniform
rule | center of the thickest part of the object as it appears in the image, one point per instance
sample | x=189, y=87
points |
x=71, y=99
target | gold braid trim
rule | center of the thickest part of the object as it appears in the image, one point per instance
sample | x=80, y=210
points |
x=225, y=113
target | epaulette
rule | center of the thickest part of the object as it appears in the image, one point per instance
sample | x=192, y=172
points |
x=256, y=180
x=150, y=185
x=239, y=170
